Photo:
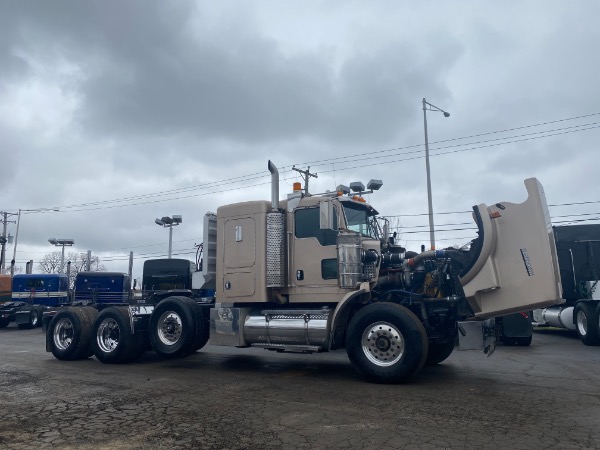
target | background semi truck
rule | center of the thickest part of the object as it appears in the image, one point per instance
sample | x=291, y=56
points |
x=578, y=248
x=32, y=296
x=5, y=288
x=95, y=289
x=316, y=273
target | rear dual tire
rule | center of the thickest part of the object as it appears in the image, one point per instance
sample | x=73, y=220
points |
x=112, y=339
x=178, y=327
x=69, y=332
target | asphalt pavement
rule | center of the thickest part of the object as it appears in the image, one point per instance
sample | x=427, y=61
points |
x=543, y=396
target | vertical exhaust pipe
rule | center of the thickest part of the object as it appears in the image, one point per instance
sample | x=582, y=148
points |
x=274, y=186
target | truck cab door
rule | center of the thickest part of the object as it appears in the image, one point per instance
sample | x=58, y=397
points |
x=314, y=264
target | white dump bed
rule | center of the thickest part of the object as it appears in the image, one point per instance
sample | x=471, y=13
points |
x=516, y=265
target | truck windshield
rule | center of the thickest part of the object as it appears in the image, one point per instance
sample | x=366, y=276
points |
x=360, y=219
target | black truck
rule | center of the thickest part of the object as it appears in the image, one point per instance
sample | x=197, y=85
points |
x=578, y=249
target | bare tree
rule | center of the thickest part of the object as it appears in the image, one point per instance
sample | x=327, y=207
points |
x=50, y=263
x=6, y=271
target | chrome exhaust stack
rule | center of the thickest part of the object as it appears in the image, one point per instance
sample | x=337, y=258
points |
x=274, y=186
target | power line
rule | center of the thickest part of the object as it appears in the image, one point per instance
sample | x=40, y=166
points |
x=459, y=151
x=468, y=137
x=502, y=140
x=258, y=175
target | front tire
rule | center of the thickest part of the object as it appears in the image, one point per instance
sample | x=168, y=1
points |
x=586, y=323
x=112, y=340
x=68, y=335
x=439, y=352
x=387, y=343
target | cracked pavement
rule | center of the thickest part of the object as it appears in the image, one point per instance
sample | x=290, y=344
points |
x=544, y=396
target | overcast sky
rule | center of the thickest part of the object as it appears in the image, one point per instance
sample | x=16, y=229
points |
x=119, y=112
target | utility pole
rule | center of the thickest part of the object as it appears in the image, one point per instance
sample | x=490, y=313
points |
x=4, y=221
x=305, y=176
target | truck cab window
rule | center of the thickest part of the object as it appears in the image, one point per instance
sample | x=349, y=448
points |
x=306, y=225
x=361, y=220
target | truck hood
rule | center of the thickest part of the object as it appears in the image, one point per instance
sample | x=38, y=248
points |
x=513, y=265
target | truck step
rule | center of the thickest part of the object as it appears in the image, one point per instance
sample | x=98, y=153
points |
x=289, y=348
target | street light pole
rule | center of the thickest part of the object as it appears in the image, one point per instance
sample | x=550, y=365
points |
x=430, y=107
x=169, y=222
x=16, y=236
x=62, y=243
x=3, y=238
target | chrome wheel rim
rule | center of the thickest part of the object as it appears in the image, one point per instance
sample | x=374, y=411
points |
x=63, y=334
x=108, y=335
x=383, y=344
x=170, y=327
x=582, y=324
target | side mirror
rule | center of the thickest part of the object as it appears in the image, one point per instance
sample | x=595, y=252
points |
x=326, y=216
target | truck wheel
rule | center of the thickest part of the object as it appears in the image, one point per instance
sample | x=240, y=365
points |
x=34, y=320
x=68, y=335
x=91, y=313
x=387, y=343
x=586, y=323
x=4, y=322
x=202, y=326
x=112, y=340
x=173, y=327
x=524, y=341
x=438, y=352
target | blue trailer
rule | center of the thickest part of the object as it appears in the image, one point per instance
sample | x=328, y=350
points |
x=32, y=296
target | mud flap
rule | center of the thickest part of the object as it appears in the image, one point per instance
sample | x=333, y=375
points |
x=477, y=335
x=22, y=316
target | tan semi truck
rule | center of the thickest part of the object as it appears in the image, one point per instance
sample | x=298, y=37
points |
x=316, y=273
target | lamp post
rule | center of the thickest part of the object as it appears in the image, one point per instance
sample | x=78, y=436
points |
x=428, y=106
x=61, y=243
x=169, y=222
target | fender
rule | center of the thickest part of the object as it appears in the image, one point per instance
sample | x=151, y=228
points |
x=341, y=314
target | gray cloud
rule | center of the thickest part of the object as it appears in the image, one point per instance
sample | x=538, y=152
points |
x=109, y=100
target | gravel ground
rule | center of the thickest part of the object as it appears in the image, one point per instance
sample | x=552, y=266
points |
x=543, y=396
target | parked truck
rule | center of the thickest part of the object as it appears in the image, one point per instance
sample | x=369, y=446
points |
x=96, y=289
x=32, y=296
x=316, y=273
x=578, y=248
x=5, y=288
